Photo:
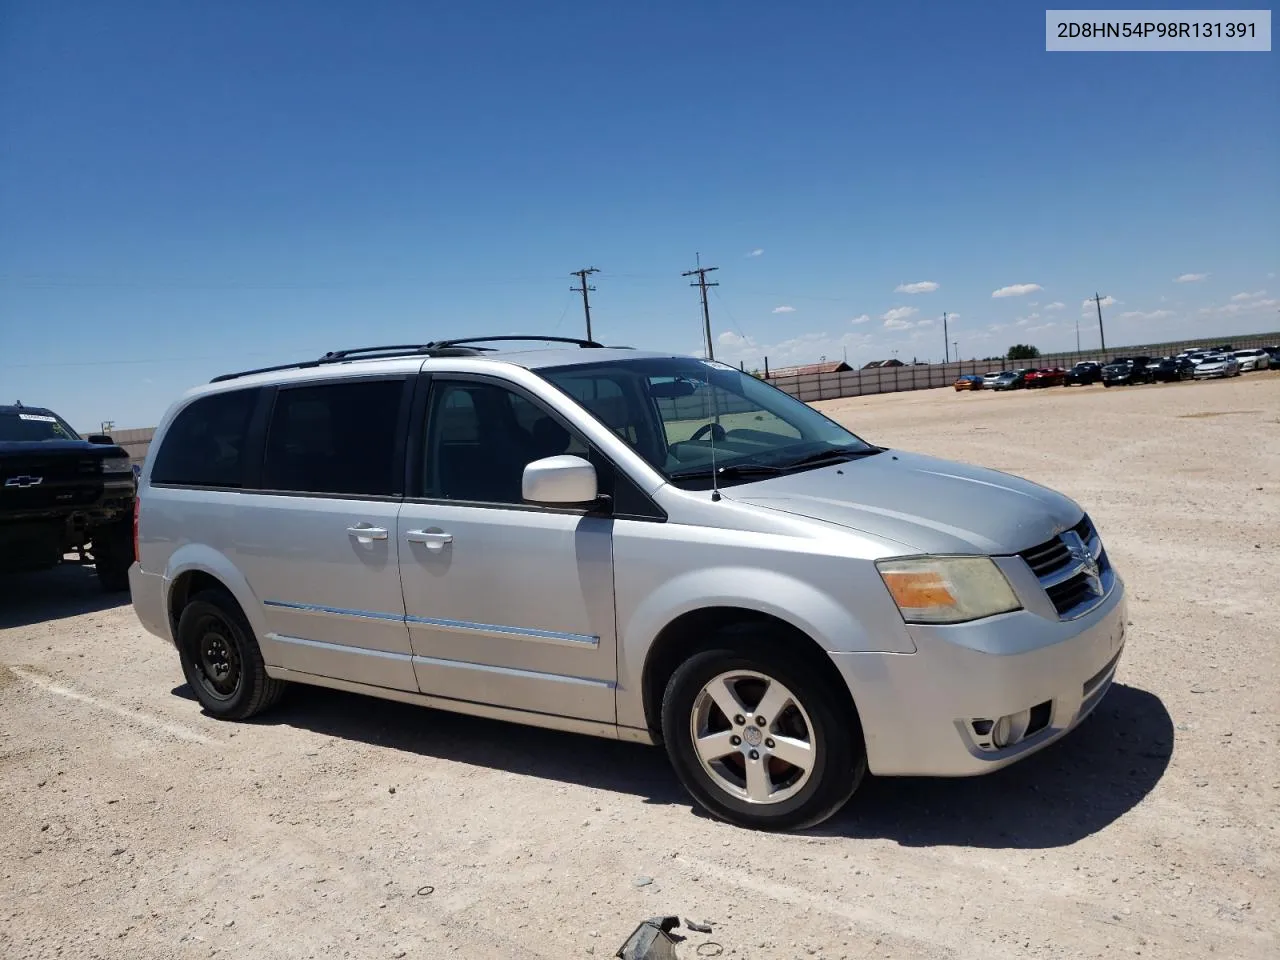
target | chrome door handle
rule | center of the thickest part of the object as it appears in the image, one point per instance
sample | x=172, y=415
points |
x=362, y=531
x=433, y=539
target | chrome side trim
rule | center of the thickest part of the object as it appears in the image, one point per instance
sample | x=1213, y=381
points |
x=469, y=626
x=339, y=647
x=547, y=636
x=569, y=724
x=514, y=672
x=332, y=611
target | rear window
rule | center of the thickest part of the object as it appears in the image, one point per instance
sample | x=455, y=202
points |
x=335, y=438
x=204, y=446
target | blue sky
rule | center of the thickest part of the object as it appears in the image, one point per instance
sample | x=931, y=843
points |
x=187, y=188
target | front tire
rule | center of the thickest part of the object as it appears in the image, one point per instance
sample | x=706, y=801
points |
x=760, y=739
x=221, y=660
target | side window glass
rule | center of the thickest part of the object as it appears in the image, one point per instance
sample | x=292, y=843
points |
x=336, y=438
x=204, y=446
x=480, y=436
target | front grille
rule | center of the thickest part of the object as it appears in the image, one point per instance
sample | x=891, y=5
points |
x=1052, y=562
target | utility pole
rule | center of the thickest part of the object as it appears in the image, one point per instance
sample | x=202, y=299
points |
x=702, y=285
x=946, y=357
x=1101, y=333
x=956, y=345
x=1077, y=338
x=584, y=290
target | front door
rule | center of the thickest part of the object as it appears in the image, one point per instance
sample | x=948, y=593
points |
x=317, y=539
x=507, y=603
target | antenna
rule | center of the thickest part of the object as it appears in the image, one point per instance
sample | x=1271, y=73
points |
x=715, y=425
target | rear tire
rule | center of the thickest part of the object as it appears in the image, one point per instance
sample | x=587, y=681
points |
x=221, y=660
x=113, y=555
x=754, y=783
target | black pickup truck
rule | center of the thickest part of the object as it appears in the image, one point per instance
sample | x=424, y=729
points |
x=61, y=493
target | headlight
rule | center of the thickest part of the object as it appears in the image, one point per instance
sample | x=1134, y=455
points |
x=947, y=589
x=116, y=465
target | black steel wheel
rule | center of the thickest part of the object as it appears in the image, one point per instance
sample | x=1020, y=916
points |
x=221, y=660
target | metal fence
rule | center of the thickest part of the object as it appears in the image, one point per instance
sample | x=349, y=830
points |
x=857, y=383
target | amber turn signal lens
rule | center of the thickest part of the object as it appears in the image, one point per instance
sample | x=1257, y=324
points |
x=915, y=591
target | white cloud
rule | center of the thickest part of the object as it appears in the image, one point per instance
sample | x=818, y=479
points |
x=1248, y=306
x=1016, y=290
x=758, y=251
x=784, y=309
x=1090, y=304
x=862, y=318
x=1146, y=314
x=925, y=323
x=920, y=286
x=897, y=316
x=804, y=348
x=995, y=327
x=897, y=324
x=1022, y=321
x=1056, y=305
x=1043, y=326
x=729, y=339
x=1191, y=278
x=1034, y=303
x=1249, y=296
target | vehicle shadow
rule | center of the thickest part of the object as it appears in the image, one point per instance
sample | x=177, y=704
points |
x=68, y=590
x=1072, y=789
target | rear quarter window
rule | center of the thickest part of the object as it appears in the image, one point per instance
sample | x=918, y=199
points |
x=204, y=446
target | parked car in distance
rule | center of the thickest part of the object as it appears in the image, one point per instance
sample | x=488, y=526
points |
x=1126, y=371
x=632, y=545
x=1173, y=369
x=1083, y=373
x=1055, y=377
x=1010, y=380
x=1222, y=365
x=968, y=382
x=1274, y=354
x=989, y=379
x=1253, y=359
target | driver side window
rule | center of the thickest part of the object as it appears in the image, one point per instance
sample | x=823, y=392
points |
x=480, y=436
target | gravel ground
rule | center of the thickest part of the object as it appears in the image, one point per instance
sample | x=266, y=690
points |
x=341, y=826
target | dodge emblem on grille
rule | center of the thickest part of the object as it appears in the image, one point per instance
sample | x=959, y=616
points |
x=24, y=481
x=1081, y=554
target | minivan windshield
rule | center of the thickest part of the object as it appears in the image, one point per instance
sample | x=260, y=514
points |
x=685, y=415
x=30, y=426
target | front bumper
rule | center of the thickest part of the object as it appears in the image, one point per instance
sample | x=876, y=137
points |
x=918, y=710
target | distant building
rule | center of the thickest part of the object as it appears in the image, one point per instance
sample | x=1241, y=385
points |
x=838, y=366
x=892, y=362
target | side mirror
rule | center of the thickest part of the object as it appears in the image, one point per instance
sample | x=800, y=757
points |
x=101, y=438
x=564, y=480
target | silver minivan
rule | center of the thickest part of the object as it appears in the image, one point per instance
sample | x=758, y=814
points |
x=632, y=545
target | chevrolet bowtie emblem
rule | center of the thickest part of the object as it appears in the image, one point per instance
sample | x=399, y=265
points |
x=24, y=481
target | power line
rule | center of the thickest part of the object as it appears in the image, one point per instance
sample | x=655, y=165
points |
x=702, y=285
x=585, y=289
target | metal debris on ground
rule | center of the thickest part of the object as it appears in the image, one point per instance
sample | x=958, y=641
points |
x=651, y=940
x=696, y=927
x=426, y=891
x=709, y=949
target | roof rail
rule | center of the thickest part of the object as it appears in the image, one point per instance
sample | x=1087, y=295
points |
x=461, y=347
x=465, y=340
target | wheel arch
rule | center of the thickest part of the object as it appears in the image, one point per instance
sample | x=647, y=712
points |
x=196, y=568
x=699, y=629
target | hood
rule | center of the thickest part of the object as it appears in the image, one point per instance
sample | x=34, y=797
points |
x=39, y=448
x=926, y=504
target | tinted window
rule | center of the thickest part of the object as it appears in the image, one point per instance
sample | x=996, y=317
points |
x=338, y=438
x=480, y=436
x=204, y=446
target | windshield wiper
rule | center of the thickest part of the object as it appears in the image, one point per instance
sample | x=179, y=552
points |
x=831, y=456
x=731, y=470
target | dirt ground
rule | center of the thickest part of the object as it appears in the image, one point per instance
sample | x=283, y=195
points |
x=340, y=826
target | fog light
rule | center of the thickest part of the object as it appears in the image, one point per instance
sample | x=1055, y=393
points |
x=1002, y=733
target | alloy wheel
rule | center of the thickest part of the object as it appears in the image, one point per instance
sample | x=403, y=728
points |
x=753, y=737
